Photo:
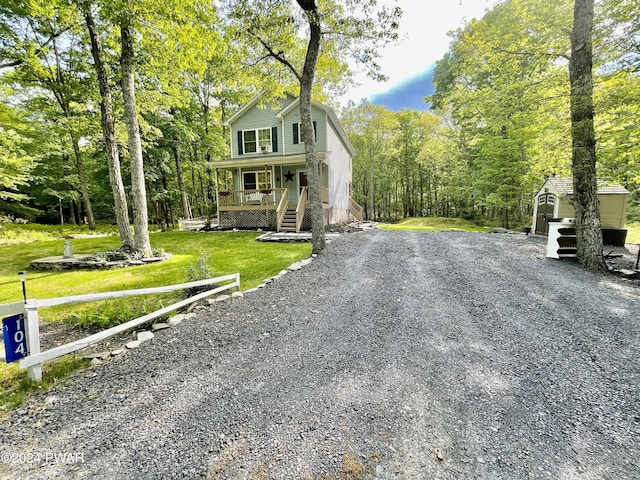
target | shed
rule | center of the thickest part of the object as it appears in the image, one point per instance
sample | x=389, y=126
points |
x=554, y=200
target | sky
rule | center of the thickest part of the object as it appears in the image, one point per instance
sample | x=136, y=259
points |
x=409, y=64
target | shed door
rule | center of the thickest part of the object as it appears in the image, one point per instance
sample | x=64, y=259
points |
x=546, y=202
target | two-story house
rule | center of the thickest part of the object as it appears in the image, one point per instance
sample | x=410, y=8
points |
x=268, y=170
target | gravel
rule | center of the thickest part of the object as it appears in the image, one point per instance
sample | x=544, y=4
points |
x=393, y=355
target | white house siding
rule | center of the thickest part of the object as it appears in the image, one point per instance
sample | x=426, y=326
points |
x=339, y=162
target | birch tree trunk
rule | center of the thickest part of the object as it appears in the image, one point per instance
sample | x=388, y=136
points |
x=109, y=136
x=138, y=189
x=585, y=188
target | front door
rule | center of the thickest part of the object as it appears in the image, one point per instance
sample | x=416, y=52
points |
x=546, y=204
x=302, y=181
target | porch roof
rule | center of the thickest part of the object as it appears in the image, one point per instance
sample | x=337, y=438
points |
x=262, y=160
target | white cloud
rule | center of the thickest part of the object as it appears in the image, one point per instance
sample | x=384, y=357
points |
x=424, y=26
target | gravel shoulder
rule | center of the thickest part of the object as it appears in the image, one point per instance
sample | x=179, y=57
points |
x=393, y=355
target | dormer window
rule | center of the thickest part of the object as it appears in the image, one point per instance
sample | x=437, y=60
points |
x=260, y=140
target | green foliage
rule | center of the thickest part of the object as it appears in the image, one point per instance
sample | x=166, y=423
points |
x=101, y=316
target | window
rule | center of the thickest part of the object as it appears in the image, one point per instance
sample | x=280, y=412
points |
x=256, y=140
x=297, y=132
x=260, y=180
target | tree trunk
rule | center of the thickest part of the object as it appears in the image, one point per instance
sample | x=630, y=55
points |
x=138, y=189
x=371, y=188
x=585, y=188
x=108, y=133
x=82, y=178
x=318, y=240
x=184, y=200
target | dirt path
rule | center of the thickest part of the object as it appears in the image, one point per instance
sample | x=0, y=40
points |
x=394, y=355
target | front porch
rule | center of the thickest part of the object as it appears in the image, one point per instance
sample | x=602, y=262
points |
x=268, y=192
x=269, y=208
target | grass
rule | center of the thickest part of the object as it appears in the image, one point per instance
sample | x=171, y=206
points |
x=12, y=234
x=223, y=252
x=434, y=224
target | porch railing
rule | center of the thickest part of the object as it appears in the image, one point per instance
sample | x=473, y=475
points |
x=282, y=208
x=300, y=208
x=356, y=211
x=244, y=198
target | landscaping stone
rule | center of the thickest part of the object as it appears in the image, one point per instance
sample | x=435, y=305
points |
x=237, y=295
x=222, y=298
x=144, y=336
x=118, y=351
x=159, y=326
x=133, y=344
x=176, y=319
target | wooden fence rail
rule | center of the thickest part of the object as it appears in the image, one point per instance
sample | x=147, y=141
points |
x=33, y=362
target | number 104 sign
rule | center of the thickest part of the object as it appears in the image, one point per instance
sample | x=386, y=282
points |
x=15, y=338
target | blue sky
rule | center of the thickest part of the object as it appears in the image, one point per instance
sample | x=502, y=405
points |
x=409, y=93
x=409, y=64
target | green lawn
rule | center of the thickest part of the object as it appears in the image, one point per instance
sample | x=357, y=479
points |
x=433, y=224
x=225, y=253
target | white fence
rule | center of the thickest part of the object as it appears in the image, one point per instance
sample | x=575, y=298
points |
x=33, y=362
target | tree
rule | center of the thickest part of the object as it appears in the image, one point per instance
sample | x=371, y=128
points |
x=52, y=72
x=138, y=188
x=108, y=131
x=345, y=27
x=585, y=188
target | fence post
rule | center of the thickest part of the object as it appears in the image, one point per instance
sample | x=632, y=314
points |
x=33, y=339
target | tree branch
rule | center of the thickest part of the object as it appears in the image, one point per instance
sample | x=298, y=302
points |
x=279, y=56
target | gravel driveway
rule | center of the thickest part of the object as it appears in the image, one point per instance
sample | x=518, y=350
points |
x=402, y=355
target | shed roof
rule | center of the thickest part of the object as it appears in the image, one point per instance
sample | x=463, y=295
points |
x=564, y=186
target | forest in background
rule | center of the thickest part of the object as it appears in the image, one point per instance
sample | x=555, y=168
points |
x=499, y=121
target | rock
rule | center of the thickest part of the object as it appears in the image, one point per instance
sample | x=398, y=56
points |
x=96, y=361
x=91, y=356
x=499, y=230
x=133, y=344
x=237, y=295
x=295, y=266
x=159, y=326
x=105, y=355
x=176, y=319
x=222, y=298
x=118, y=351
x=144, y=336
x=251, y=290
x=283, y=272
x=267, y=281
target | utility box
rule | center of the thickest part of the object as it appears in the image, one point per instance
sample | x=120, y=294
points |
x=561, y=241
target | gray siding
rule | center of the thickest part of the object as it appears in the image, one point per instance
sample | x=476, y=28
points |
x=321, y=124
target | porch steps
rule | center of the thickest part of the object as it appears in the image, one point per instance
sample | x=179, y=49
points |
x=289, y=221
